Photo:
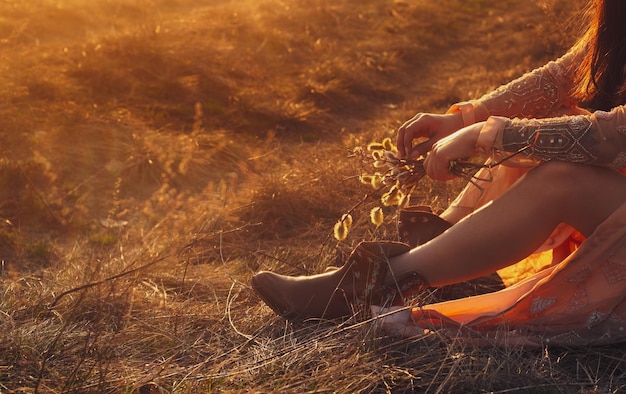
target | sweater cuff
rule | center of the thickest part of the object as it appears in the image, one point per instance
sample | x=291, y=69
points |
x=488, y=137
x=467, y=112
x=471, y=111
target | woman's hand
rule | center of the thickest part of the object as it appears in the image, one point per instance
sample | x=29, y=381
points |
x=433, y=127
x=459, y=145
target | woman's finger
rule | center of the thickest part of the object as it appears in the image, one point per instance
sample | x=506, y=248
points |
x=437, y=168
x=408, y=141
x=422, y=149
x=400, y=142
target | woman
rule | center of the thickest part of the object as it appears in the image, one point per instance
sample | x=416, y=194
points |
x=567, y=182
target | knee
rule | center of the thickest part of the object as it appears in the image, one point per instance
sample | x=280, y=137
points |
x=556, y=170
x=557, y=176
x=564, y=177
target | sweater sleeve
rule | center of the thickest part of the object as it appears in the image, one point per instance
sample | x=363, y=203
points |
x=597, y=139
x=540, y=93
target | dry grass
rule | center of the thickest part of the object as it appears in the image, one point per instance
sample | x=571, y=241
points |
x=157, y=153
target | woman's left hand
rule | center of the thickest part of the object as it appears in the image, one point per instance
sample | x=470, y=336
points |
x=459, y=145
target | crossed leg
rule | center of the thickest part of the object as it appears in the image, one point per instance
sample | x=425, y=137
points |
x=516, y=224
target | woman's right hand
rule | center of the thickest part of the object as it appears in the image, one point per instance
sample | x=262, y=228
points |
x=433, y=127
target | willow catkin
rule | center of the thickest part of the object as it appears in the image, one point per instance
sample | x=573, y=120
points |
x=392, y=176
x=376, y=216
x=395, y=178
x=347, y=220
x=340, y=231
x=387, y=144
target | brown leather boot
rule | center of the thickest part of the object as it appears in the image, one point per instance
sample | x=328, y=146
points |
x=332, y=294
x=418, y=225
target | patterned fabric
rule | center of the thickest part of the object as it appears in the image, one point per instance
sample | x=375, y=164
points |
x=596, y=138
x=540, y=93
x=536, y=94
x=528, y=115
x=567, y=139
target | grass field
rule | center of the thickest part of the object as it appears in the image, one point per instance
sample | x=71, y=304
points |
x=156, y=153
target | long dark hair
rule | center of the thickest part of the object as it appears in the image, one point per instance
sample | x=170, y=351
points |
x=601, y=76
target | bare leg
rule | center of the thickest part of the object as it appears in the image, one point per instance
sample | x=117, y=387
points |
x=516, y=224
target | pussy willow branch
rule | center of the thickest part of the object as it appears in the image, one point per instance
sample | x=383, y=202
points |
x=461, y=168
x=468, y=170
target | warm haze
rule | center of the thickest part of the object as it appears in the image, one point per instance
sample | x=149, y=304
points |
x=156, y=153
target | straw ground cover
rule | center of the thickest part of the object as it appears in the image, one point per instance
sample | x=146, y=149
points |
x=155, y=154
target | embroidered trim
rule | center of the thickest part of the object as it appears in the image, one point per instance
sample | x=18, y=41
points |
x=580, y=276
x=579, y=300
x=595, y=318
x=535, y=94
x=619, y=162
x=540, y=304
x=614, y=271
x=564, y=139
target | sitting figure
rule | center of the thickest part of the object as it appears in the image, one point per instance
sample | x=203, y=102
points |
x=562, y=196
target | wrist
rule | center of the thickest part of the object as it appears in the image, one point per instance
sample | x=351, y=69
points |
x=465, y=112
x=456, y=121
